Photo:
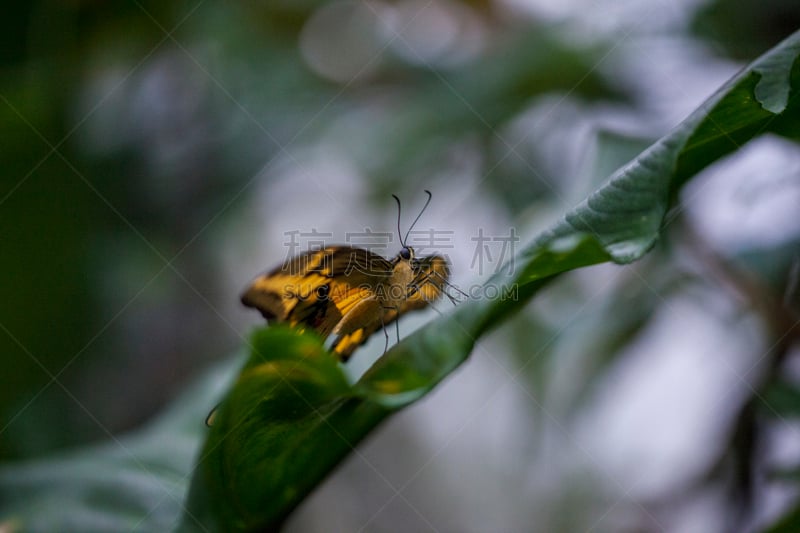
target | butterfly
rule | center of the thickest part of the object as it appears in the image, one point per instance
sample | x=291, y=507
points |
x=349, y=293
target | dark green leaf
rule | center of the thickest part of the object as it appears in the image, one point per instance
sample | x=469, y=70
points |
x=789, y=523
x=291, y=417
x=781, y=399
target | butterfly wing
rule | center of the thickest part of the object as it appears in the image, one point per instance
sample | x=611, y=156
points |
x=317, y=288
x=296, y=282
x=338, y=290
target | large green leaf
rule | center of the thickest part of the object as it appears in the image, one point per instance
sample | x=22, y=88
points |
x=292, y=417
x=289, y=419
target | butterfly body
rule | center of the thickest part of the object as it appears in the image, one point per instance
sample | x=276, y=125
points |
x=347, y=292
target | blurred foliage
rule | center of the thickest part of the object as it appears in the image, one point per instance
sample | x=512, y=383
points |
x=131, y=130
x=742, y=29
x=781, y=399
x=787, y=524
x=131, y=483
x=121, y=149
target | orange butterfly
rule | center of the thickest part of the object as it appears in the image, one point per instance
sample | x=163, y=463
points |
x=349, y=292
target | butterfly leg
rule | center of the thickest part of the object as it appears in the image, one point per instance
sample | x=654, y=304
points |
x=385, y=333
x=396, y=325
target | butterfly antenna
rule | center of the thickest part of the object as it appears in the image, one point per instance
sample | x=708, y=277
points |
x=420, y=214
x=396, y=199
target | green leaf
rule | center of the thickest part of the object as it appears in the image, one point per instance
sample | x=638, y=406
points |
x=789, y=523
x=419, y=362
x=292, y=417
x=780, y=399
x=136, y=482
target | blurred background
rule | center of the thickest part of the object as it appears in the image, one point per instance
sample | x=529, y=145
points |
x=156, y=156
